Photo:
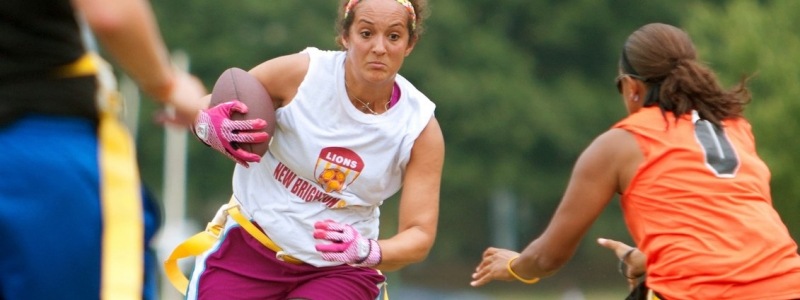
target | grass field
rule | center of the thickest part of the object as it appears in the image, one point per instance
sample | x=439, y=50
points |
x=562, y=295
x=501, y=293
x=451, y=282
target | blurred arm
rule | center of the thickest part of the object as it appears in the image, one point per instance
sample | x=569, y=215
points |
x=127, y=29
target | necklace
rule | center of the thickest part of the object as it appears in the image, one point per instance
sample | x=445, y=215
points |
x=365, y=106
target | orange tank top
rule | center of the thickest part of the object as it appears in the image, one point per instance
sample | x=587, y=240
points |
x=699, y=206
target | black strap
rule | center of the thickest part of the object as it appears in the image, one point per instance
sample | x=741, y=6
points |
x=639, y=292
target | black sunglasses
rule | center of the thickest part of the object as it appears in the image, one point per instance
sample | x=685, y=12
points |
x=618, y=80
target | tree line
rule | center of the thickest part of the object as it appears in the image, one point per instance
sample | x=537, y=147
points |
x=521, y=88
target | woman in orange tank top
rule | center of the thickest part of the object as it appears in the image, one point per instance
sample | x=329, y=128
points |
x=694, y=192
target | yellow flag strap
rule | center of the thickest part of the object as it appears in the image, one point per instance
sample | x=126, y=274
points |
x=85, y=65
x=233, y=210
x=384, y=287
x=123, y=226
x=651, y=295
x=122, y=260
x=201, y=242
x=193, y=246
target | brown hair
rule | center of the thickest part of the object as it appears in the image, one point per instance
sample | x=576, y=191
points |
x=415, y=30
x=665, y=57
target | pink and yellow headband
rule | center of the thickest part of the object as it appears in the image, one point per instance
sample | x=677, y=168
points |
x=405, y=3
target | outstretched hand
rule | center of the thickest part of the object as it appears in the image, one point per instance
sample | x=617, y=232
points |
x=215, y=128
x=183, y=100
x=493, y=266
x=635, y=261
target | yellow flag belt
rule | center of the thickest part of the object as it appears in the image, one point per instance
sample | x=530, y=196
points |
x=123, y=233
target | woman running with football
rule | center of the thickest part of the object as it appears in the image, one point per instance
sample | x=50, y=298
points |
x=694, y=193
x=351, y=132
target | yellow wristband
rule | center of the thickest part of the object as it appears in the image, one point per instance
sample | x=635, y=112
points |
x=528, y=281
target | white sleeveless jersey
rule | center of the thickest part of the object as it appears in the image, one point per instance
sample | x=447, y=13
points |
x=328, y=160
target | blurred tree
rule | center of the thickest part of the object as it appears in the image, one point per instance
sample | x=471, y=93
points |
x=521, y=87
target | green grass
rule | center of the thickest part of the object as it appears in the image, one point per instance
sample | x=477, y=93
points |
x=595, y=294
x=509, y=291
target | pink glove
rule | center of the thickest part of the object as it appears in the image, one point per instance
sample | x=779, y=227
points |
x=215, y=128
x=347, y=245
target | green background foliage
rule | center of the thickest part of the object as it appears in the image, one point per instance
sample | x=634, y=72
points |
x=521, y=88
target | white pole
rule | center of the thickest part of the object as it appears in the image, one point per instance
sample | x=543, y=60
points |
x=176, y=226
x=175, y=164
x=130, y=92
x=504, y=218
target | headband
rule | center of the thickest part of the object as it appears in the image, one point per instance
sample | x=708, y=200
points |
x=626, y=64
x=405, y=3
x=655, y=84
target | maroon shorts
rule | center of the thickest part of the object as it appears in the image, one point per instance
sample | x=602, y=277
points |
x=243, y=268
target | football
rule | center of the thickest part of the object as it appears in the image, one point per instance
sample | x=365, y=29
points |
x=237, y=84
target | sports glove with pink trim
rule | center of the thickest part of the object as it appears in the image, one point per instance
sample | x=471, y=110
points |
x=347, y=245
x=215, y=128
